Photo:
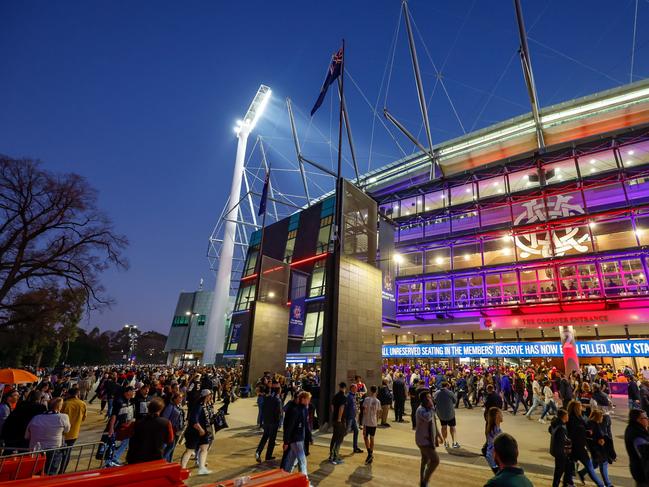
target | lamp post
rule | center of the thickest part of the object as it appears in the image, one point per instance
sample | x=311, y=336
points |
x=132, y=340
x=216, y=322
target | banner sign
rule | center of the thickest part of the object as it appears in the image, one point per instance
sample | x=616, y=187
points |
x=297, y=312
x=612, y=348
x=388, y=274
x=296, y=317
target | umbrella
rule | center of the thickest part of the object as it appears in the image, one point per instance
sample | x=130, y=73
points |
x=16, y=376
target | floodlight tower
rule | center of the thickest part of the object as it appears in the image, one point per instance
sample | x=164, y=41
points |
x=217, y=319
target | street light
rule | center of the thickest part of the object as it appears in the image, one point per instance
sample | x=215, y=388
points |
x=216, y=323
x=132, y=340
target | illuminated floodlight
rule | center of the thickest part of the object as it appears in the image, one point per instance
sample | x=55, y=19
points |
x=398, y=258
x=255, y=111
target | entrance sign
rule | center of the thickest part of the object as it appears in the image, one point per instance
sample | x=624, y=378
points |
x=612, y=348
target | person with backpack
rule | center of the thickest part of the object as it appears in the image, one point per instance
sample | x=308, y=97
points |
x=385, y=398
x=561, y=449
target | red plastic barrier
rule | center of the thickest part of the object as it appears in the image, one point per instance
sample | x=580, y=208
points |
x=148, y=474
x=269, y=478
x=22, y=467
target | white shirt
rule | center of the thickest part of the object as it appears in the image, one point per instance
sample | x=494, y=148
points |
x=47, y=429
x=371, y=407
x=536, y=388
x=549, y=395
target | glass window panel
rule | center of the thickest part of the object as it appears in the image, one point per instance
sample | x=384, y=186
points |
x=502, y=288
x=412, y=231
x=388, y=210
x=438, y=259
x=571, y=240
x=538, y=284
x=465, y=221
x=560, y=171
x=595, y=163
x=491, y=187
x=498, y=251
x=637, y=190
x=533, y=245
x=635, y=154
x=410, y=264
x=522, y=180
x=435, y=200
x=467, y=255
x=437, y=226
x=568, y=282
x=409, y=206
x=604, y=197
x=611, y=235
x=530, y=285
x=495, y=215
x=642, y=229
x=317, y=282
x=251, y=263
x=588, y=282
x=462, y=194
x=476, y=291
x=613, y=280
x=564, y=205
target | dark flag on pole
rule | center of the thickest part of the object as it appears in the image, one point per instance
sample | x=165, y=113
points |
x=264, y=194
x=332, y=74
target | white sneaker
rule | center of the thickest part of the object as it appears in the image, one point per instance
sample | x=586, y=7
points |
x=203, y=471
x=542, y=421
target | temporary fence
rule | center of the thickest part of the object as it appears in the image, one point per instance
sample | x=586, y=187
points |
x=19, y=463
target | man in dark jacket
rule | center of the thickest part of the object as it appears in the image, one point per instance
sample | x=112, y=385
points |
x=295, y=429
x=399, y=392
x=385, y=398
x=519, y=394
x=633, y=393
x=141, y=401
x=492, y=400
x=560, y=447
x=565, y=391
x=150, y=435
x=271, y=415
x=461, y=392
x=636, y=441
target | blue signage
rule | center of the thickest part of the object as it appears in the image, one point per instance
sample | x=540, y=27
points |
x=296, y=317
x=612, y=348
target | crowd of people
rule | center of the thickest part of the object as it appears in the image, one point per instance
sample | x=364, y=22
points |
x=148, y=409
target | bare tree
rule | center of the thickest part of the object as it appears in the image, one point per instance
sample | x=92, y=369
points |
x=52, y=234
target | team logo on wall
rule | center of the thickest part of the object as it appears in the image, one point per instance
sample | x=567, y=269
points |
x=297, y=313
x=564, y=240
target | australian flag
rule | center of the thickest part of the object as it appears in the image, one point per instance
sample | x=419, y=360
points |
x=264, y=195
x=332, y=74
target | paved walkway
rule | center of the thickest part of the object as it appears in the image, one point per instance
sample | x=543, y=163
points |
x=396, y=456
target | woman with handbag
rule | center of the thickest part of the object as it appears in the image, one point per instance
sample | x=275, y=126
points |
x=199, y=433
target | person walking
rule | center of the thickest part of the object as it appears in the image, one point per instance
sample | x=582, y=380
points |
x=371, y=408
x=636, y=442
x=519, y=394
x=549, y=406
x=45, y=432
x=537, y=398
x=75, y=408
x=295, y=430
x=339, y=425
x=150, y=435
x=199, y=432
x=271, y=417
x=385, y=398
x=560, y=449
x=351, y=416
x=174, y=413
x=121, y=418
x=577, y=434
x=600, y=446
x=445, y=401
x=462, y=392
x=492, y=430
x=509, y=473
x=7, y=406
x=492, y=400
x=399, y=392
x=565, y=391
x=426, y=437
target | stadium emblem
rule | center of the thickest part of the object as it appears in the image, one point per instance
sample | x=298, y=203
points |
x=563, y=240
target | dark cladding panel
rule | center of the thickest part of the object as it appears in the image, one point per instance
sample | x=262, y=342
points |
x=275, y=239
x=307, y=233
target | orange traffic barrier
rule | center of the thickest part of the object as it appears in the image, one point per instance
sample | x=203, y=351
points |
x=149, y=474
x=21, y=467
x=265, y=479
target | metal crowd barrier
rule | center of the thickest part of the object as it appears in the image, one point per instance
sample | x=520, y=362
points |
x=19, y=463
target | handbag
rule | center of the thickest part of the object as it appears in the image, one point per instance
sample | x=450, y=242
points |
x=219, y=421
x=104, y=450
